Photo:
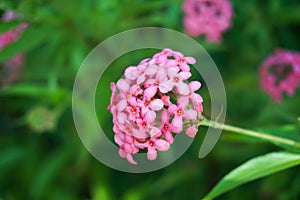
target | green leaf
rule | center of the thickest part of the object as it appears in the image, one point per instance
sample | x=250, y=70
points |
x=30, y=38
x=9, y=157
x=288, y=131
x=34, y=91
x=253, y=169
x=49, y=171
x=6, y=26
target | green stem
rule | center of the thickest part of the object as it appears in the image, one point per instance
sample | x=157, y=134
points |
x=263, y=136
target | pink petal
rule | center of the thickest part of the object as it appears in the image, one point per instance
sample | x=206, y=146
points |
x=197, y=102
x=154, y=131
x=140, y=79
x=113, y=87
x=177, y=123
x=118, y=131
x=122, y=153
x=144, y=111
x=151, y=154
x=162, y=145
x=149, y=82
x=166, y=100
x=135, y=90
x=171, y=63
x=190, y=60
x=177, y=54
x=185, y=67
x=190, y=114
x=132, y=101
x=177, y=129
x=129, y=139
x=183, y=88
x=118, y=139
x=130, y=159
x=156, y=104
x=122, y=118
x=172, y=72
x=128, y=148
x=150, y=92
x=166, y=86
x=183, y=102
x=195, y=85
x=150, y=71
x=122, y=105
x=196, y=98
x=141, y=68
x=191, y=131
x=123, y=85
x=165, y=116
x=185, y=75
x=113, y=96
x=139, y=134
x=173, y=109
x=141, y=145
x=169, y=137
x=198, y=107
x=162, y=59
x=150, y=116
x=161, y=75
x=131, y=73
x=144, y=61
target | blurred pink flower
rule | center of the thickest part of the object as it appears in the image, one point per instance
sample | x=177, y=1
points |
x=280, y=73
x=144, y=116
x=207, y=17
x=11, y=68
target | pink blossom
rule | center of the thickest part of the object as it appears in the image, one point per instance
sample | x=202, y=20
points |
x=139, y=73
x=154, y=144
x=153, y=85
x=141, y=104
x=113, y=96
x=280, y=73
x=176, y=79
x=174, y=59
x=180, y=112
x=166, y=100
x=166, y=127
x=207, y=17
x=11, y=67
x=195, y=98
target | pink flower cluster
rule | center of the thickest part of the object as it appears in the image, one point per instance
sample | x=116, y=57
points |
x=11, y=67
x=280, y=72
x=153, y=102
x=207, y=17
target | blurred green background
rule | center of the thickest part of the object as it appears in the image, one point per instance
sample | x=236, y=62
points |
x=41, y=155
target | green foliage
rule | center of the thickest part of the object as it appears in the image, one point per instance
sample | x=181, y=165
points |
x=253, y=169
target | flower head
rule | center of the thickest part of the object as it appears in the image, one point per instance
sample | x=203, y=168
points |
x=153, y=102
x=280, y=73
x=207, y=17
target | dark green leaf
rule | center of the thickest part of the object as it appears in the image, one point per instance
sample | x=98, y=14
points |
x=6, y=26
